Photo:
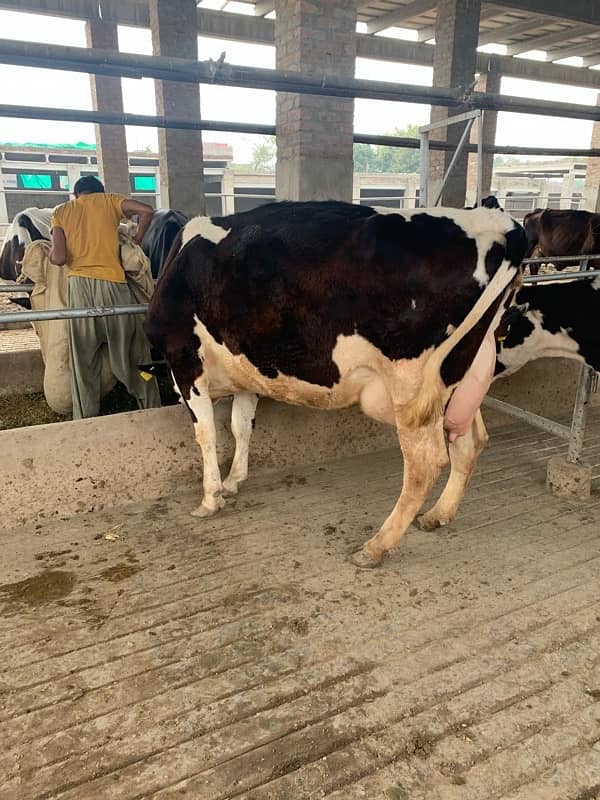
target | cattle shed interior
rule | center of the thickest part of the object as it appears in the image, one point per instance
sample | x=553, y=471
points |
x=147, y=653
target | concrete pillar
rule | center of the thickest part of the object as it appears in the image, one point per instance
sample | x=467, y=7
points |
x=228, y=190
x=174, y=27
x=591, y=192
x=314, y=134
x=567, y=189
x=454, y=62
x=486, y=82
x=107, y=95
x=3, y=205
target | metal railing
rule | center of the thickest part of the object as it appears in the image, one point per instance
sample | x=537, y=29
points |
x=588, y=377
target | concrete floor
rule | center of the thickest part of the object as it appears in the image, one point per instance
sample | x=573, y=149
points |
x=146, y=653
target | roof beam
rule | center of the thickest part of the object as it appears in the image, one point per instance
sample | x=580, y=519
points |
x=575, y=10
x=543, y=42
x=396, y=17
x=263, y=7
x=429, y=31
x=501, y=34
x=588, y=48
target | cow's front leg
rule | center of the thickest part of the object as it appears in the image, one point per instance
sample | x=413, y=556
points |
x=206, y=435
x=242, y=421
x=464, y=453
x=425, y=455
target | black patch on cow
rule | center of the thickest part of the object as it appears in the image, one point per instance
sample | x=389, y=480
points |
x=458, y=361
x=516, y=245
x=519, y=328
x=288, y=214
x=572, y=307
x=159, y=238
x=281, y=293
x=12, y=252
x=26, y=222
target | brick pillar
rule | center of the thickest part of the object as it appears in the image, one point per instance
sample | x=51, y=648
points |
x=454, y=61
x=486, y=82
x=591, y=192
x=107, y=95
x=174, y=26
x=314, y=134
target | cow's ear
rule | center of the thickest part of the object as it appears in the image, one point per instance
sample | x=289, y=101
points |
x=516, y=245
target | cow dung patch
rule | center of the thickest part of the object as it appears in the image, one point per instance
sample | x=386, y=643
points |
x=49, y=586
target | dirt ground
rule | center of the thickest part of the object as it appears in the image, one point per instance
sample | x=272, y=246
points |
x=149, y=654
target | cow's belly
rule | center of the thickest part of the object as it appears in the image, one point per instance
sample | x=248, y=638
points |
x=366, y=376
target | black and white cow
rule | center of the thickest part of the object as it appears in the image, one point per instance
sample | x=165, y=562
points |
x=329, y=305
x=558, y=319
x=29, y=226
x=555, y=320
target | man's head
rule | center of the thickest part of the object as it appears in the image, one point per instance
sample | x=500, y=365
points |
x=88, y=185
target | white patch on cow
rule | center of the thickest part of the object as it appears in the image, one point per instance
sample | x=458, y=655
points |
x=41, y=219
x=202, y=226
x=413, y=304
x=596, y=283
x=539, y=344
x=201, y=406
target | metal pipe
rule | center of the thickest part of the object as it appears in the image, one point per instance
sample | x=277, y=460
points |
x=424, y=170
x=479, y=159
x=544, y=424
x=447, y=121
x=578, y=421
x=144, y=120
x=564, y=276
x=26, y=287
x=455, y=157
x=106, y=62
x=80, y=59
x=71, y=313
x=557, y=259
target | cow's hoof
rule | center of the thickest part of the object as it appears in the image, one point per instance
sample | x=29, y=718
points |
x=363, y=559
x=230, y=488
x=205, y=511
x=427, y=523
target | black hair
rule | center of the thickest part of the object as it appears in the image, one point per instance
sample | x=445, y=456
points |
x=88, y=185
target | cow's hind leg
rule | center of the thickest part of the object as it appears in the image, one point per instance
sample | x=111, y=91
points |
x=242, y=421
x=464, y=453
x=425, y=455
x=201, y=408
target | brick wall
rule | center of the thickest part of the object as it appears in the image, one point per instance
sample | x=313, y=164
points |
x=174, y=28
x=455, y=58
x=315, y=38
x=107, y=95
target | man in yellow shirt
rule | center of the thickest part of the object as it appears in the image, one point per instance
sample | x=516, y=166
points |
x=85, y=236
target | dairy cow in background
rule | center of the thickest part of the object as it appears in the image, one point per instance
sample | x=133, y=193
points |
x=29, y=226
x=560, y=232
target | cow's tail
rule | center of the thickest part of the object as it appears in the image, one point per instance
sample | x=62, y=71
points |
x=428, y=405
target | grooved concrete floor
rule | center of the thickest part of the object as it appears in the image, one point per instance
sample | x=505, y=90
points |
x=148, y=654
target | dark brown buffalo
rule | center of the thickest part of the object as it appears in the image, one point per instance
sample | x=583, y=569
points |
x=558, y=232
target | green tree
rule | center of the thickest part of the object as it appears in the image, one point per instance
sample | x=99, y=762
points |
x=264, y=154
x=377, y=158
